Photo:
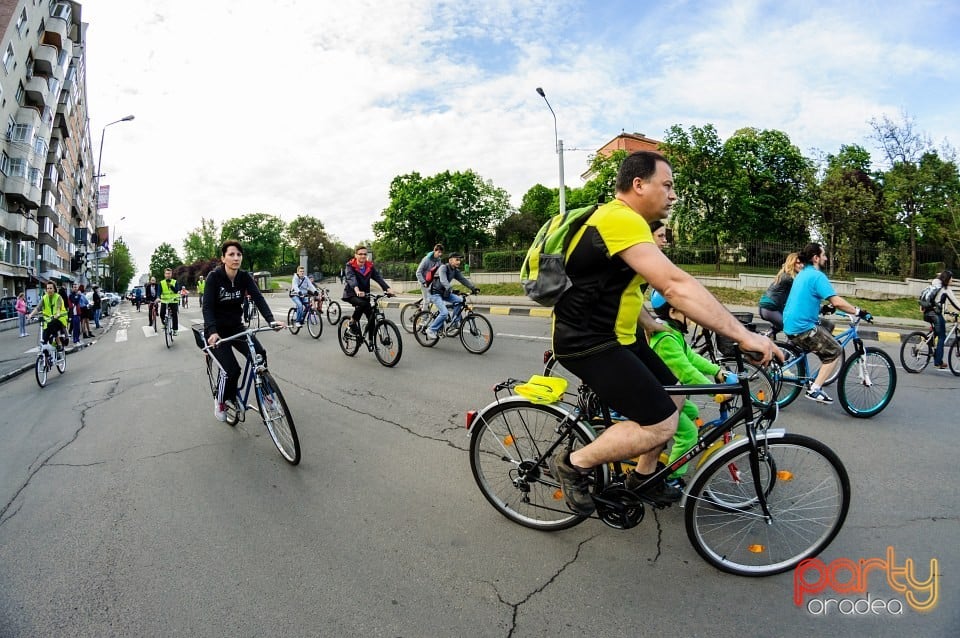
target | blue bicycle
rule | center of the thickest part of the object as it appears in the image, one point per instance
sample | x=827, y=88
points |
x=866, y=380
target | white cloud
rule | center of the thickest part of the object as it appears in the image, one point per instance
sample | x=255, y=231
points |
x=313, y=107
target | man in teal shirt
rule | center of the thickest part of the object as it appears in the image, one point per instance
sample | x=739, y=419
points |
x=801, y=316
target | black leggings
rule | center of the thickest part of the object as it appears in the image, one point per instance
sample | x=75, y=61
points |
x=775, y=317
x=227, y=386
x=361, y=307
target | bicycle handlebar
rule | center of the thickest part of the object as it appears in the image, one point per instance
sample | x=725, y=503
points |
x=249, y=332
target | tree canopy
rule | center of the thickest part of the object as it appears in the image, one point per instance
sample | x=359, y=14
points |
x=261, y=235
x=165, y=256
x=202, y=242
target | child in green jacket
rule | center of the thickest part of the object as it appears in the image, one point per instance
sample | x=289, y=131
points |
x=690, y=369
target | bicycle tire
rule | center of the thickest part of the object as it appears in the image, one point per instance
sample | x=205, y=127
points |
x=276, y=416
x=790, y=379
x=333, y=313
x=292, y=321
x=763, y=387
x=213, y=375
x=314, y=323
x=168, y=333
x=387, y=343
x=408, y=313
x=859, y=398
x=349, y=342
x=153, y=318
x=953, y=358
x=40, y=368
x=505, y=442
x=421, y=321
x=476, y=333
x=61, y=361
x=915, y=352
x=808, y=504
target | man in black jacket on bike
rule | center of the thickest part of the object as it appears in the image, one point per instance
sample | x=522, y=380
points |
x=357, y=275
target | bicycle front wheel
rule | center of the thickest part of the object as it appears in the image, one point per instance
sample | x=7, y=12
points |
x=213, y=374
x=387, y=343
x=314, y=324
x=790, y=377
x=508, y=447
x=292, y=321
x=348, y=340
x=808, y=503
x=915, y=352
x=41, y=370
x=333, y=313
x=953, y=357
x=61, y=360
x=476, y=333
x=867, y=383
x=407, y=314
x=168, y=333
x=276, y=416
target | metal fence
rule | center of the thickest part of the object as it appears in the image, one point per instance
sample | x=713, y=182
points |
x=877, y=260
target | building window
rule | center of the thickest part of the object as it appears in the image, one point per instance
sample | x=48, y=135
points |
x=47, y=226
x=20, y=132
x=8, y=58
x=36, y=177
x=22, y=23
x=20, y=93
x=40, y=147
x=4, y=163
x=25, y=253
x=60, y=10
x=18, y=167
x=6, y=254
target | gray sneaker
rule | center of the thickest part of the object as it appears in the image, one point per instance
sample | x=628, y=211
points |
x=660, y=492
x=575, y=486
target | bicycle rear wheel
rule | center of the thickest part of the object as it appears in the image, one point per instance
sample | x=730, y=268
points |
x=349, y=341
x=41, y=370
x=276, y=416
x=314, y=323
x=476, y=333
x=808, y=504
x=508, y=443
x=421, y=321
x=867, y=383
x=61, y=360
x=333, y=312
x=292, y=321
x=407, y=315
x=387, y=343
x=915, y=352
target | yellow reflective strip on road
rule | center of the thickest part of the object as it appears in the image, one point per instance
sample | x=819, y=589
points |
x=892, y=337
x=499, y=310
x=541, y=312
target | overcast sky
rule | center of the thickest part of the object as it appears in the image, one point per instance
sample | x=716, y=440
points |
x=312, y=107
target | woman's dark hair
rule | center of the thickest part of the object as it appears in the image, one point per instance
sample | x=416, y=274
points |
x=438, y=247
x=656, y=225
x=227, y=244
x=945, y=277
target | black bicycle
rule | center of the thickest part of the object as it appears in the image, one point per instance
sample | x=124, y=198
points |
x=757, y=506
x=272, y=406
x=474, y=330
x=381, y=336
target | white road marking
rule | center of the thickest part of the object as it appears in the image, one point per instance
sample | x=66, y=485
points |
x=531, y=337
x=121, y=335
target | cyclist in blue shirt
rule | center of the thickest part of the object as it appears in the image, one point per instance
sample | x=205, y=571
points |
x=801, y=316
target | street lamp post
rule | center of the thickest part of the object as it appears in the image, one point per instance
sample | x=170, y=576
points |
x=99, y=174
x=556, y=137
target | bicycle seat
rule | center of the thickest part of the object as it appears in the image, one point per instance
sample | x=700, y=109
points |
x=541, y=389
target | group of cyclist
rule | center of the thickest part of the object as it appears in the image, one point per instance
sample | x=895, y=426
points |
x=436, y=279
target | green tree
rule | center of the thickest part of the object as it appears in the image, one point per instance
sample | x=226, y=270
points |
x=202, y=243
x=602, y=185
x=459, y=210
x=122, y=266
x=536, y=203
x=261, y=235
x=308, y=232
x=165, y=256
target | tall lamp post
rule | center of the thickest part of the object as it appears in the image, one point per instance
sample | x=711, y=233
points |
x=563, y=190
x=99, y=174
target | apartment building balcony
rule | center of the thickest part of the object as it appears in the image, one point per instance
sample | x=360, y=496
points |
x=21, y=192
x=56, y=31
x=18, y=224
x=36, y=89
x=45, y=59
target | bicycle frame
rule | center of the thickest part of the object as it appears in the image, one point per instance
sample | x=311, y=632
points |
x=845, y=337
x=250, y=373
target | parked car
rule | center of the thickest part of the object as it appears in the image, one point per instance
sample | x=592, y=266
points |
x=106, y=302
x=8, y=307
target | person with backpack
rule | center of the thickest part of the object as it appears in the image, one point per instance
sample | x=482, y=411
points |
x=427, y=271
x=441, y=291
x=932, y=301
x=595, y=330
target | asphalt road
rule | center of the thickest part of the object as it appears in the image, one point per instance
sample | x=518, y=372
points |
x=127, y=510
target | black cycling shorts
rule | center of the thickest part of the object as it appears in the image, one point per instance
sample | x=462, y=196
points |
x=628, y=379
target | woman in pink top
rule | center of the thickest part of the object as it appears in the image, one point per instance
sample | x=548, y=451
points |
x=22, y=314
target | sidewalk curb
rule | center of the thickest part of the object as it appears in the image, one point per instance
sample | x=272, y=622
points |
x=70, y=349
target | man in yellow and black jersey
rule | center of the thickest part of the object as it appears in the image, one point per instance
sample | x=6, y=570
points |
x=595, y=328
x=169, y=291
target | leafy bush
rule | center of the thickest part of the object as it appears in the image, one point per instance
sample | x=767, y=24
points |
x=503, y=261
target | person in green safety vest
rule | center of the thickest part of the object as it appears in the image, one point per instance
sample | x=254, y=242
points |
x=169, y=299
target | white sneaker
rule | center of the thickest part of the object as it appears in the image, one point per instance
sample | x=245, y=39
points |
x=299, y=324
x=431, y=334
x=220, y=411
